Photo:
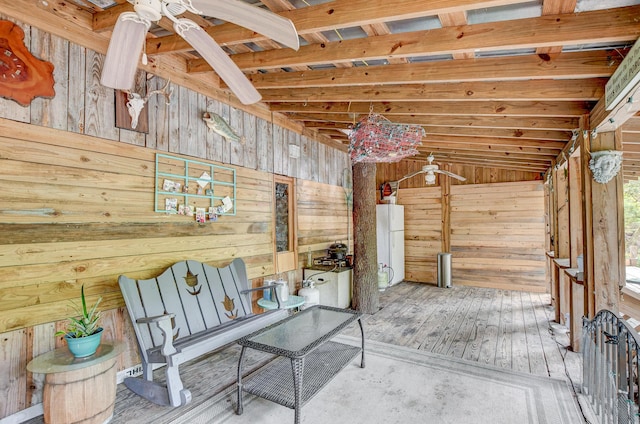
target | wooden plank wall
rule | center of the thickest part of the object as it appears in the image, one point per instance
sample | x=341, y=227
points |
x=324, y=217
x=496, y=226
x=422, y=232
x=78, y=203
x=474, y=174
x=498, y=235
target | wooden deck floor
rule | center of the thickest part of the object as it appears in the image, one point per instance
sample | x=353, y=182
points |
x=508, y=329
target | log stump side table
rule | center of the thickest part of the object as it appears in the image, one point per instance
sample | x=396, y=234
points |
x=78, y=390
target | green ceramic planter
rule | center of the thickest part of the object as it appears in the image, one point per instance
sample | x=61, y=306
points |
x=84, y=346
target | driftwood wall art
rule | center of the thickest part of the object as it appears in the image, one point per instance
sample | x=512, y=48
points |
x=22, y=76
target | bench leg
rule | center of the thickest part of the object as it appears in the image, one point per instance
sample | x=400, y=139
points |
x=178, y=395
x=239, y=407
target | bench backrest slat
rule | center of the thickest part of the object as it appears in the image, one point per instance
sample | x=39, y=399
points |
x=200, y=296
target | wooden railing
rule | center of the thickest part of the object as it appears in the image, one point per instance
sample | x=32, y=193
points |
x=610, y=368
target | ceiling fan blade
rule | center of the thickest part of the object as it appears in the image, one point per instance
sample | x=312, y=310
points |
x=123, y=54
x=218, y=59
x=451, y=174
x=256, y=19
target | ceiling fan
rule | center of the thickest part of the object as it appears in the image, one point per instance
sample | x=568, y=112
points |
x=130, y=31
x=429, y=170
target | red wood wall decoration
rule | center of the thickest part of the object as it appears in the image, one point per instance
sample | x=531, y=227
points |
x=22, y=76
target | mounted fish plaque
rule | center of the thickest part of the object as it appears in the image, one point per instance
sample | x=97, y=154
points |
x=216, y=123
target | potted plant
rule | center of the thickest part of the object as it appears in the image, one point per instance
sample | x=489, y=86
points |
x=83, y=332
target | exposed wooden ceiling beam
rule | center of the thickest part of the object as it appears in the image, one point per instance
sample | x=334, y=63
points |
x=523, y=152
x=552, y=90
x=587, y=64
x=519, y=134
x=449, y=140
x=514, y=108
x=470, y=121
x=333, y=15
x=617, y=25
x=555, y=7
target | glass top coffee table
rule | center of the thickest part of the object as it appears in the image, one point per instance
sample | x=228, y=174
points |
x=308, y=358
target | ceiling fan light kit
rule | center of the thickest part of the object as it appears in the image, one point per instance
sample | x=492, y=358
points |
x=129, y=35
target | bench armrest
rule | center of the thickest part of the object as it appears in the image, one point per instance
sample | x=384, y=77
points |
x=157, y=318
x=272, y=287
x=163, y=322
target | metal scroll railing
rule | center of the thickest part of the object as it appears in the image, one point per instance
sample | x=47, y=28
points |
x=610, y=368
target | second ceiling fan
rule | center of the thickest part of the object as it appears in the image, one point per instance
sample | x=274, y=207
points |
x=130, y=31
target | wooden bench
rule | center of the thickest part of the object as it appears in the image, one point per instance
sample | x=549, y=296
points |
x=187, y=311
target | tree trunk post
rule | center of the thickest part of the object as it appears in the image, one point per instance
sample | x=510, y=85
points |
x=365, y=271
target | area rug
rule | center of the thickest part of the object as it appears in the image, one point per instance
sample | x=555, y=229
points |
x=402, y=385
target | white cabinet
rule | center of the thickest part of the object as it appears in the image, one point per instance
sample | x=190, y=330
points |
x=334, y=287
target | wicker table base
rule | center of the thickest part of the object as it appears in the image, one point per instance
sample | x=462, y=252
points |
x=302, y=371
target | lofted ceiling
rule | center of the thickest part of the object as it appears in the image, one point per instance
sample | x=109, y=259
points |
x=495, y=83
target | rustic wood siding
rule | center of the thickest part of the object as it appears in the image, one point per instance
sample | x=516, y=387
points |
x=423, y=231
x=78, y=197
x=324, y=217
x=497, y=235
x=474, y=174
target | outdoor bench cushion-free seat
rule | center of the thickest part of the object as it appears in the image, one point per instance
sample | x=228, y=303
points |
x=189, y=310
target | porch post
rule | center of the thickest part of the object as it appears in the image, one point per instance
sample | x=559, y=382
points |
x=604, y=230
x=365, y=271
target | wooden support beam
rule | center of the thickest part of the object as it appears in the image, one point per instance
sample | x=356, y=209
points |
x=486, y=108
x=587, y=64
x=605, y=231
x=547, y=90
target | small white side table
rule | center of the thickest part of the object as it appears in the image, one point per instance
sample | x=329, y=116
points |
x=292, y=302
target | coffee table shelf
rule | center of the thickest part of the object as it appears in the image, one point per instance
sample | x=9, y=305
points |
x=274, y=382
x=308, y=358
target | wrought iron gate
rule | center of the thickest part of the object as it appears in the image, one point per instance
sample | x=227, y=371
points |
x=610, y=368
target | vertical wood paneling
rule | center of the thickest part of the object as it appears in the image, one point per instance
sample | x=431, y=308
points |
x=100, y=113
x=51, y=112
x=13, y=368
x=250, y=144
x=75, y=86
x=9, y=108
x=264, y=145
x=236, y=122
x=293, y=139
x=214, y=140
x=225, y=113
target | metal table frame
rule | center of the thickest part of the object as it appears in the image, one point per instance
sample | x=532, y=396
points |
x=304, y=339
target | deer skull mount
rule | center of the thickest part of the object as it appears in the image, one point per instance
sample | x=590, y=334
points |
x=135, y=101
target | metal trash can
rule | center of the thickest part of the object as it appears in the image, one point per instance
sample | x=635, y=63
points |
x=444, y=270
